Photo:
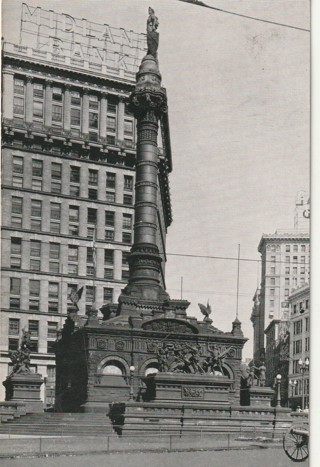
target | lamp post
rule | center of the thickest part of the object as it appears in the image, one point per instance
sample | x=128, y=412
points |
x=132, y=369
x=278, y=382
x=303, y=367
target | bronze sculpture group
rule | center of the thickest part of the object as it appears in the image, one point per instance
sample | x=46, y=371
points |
x=21, y=357
x=186, y=358
x=256, y=375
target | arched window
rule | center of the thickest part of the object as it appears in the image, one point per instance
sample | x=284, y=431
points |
x=151, y=370
x=113, y=368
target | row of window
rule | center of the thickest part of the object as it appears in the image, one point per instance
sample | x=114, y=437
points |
x=53, y=295
x=286, y=292
x=301, y=306
x=294, y=259
x=56, y=179
x=298, y=326
x=55, y=257
x=74, y=211
x=297, y=345
x=77, y=111
x=289, y=280
x=297, y=389
x=291, y=271
x=292, y=248
x=33, y=328
x=302, y=281
x=295, y=248
x=296, y=368
x=54, y=251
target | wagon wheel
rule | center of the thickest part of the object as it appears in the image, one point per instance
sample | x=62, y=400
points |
x=295, y=445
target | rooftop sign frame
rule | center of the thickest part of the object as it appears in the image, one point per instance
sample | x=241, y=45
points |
x=79, y=40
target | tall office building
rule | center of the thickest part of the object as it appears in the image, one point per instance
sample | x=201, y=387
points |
x=68, y=176
x=298, y=384
x=285, y=258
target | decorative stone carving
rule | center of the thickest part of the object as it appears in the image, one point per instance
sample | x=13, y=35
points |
x=144, y=101
x=192, y=393
x=151, y=346
x=170, y=325
x=102, y=344
x=120, y=345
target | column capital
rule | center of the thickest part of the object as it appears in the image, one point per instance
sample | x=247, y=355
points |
x=29, y=79
x=67, y=86
x=85, y=91
x=7, y=71
x=104, y=94
x=49, y=82
x=144, y=101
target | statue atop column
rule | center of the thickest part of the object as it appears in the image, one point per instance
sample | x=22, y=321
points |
x=152, y=34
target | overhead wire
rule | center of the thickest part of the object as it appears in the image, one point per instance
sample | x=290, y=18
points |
x=186, y=255
x=199, y=3
x=235, y=259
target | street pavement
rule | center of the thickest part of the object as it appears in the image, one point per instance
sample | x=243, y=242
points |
x=261, y=457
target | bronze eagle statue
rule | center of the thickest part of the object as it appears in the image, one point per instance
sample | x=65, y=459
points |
x=205, y=310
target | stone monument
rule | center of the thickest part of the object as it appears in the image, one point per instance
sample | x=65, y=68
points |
x=22, y=385
x=147, y=361
x=147, y=330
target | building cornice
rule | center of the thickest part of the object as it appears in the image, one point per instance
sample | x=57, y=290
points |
x=284, y=237
x=273, y=323
x=304, y=290
x=13, y=54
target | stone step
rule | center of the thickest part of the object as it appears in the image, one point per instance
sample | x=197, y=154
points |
x=45, y=424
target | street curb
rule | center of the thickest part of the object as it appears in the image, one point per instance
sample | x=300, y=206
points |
x=128, y=451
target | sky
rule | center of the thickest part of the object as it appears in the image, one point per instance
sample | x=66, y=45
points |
x=239, y=109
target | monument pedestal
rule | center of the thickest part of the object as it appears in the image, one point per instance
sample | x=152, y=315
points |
x=260, y=396
x=25, y=388
x=188, y=388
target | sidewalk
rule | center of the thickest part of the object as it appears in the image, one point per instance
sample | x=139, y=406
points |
x=33, y=446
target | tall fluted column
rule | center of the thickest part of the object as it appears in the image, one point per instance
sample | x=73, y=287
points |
x=148, y=102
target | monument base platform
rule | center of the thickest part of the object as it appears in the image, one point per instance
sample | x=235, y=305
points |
x=25, y=388
x=177, y=417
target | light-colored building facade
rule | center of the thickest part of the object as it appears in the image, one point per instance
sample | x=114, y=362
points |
x=68, y=176
x=285, y=259
x=298, y=385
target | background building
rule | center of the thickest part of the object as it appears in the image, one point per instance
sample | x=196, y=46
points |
x=299, y=347
x=277, y=356
x=68, y=175
x=285, y=259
